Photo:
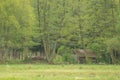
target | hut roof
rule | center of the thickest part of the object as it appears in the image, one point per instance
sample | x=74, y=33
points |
x=84, y=52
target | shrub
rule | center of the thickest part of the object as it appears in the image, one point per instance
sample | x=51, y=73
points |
x=58, y=59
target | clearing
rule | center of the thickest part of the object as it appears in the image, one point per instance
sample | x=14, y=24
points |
x=59, y=72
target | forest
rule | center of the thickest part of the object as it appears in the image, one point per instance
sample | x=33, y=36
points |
x=48, y=31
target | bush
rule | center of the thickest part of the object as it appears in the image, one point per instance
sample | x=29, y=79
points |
x=69, y=58
x=67, y=55
x=58, y=59
x=101, y=51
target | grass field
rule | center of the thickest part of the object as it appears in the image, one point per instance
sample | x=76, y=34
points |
x=59, y=72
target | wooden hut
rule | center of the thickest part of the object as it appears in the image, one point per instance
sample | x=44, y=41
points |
x=85, y=55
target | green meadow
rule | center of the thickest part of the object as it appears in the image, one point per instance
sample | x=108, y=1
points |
x=59, y=72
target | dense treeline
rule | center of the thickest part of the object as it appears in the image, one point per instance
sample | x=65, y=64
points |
x=51, y=29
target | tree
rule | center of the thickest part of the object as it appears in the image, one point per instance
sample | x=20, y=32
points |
x=50, y=25
x=17, y=20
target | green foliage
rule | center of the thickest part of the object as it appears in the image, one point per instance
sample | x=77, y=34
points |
x=58, y=59
x=114, y=43
x=18, y=23
x=59, y=25
x=67, y=54
x=97, y=47
x=101, y=51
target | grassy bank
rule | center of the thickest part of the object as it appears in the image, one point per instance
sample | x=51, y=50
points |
x=59, y=72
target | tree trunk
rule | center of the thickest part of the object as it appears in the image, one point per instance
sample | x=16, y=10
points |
x=113, y=56
x=50, y=53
